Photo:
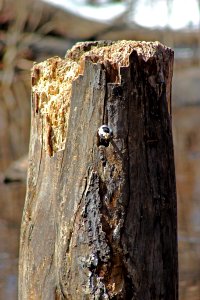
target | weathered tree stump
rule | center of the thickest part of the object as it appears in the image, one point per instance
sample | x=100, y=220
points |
x=100, y=221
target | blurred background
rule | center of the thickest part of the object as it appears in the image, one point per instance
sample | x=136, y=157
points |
x=35, y=30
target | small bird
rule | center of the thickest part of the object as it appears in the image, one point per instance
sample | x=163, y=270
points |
x=105, y=135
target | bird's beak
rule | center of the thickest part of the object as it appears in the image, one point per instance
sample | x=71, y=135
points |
x=107, y=136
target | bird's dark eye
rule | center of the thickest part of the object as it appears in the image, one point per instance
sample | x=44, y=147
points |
x=106, y=129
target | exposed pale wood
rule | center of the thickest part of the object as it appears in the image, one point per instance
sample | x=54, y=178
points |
x=100, y=222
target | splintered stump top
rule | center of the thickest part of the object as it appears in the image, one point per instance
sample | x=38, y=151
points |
x=100, y=218
x=52, y=80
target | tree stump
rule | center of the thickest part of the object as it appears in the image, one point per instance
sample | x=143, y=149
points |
x=100, y=219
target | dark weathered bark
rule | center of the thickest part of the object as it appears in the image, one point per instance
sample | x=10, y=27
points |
x=100, y=222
